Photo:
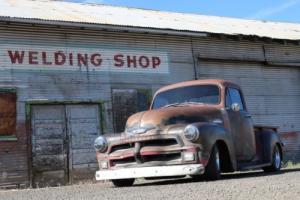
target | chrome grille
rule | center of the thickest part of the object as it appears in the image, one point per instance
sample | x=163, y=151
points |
x=165, y=142
x=148, y=157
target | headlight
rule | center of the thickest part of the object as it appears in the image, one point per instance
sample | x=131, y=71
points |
x=101, y=144
x=191, y=133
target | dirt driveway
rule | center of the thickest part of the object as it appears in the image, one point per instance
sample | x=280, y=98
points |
x=254, y=185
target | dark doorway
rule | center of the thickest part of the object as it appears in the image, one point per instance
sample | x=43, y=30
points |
x=127, y=102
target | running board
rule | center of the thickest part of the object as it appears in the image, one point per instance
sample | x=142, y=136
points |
x=249, y=166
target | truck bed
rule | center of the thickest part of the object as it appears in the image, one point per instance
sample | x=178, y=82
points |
x=259, y=127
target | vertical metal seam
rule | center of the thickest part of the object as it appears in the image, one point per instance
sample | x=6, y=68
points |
x=194, y=60
x=68, y=144
x=264, y=54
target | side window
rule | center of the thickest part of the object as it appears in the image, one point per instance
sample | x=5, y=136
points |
x=235, y=97
x=228, y=102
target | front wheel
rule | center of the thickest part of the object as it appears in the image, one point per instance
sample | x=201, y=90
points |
x=213, y=168
x=276, y=161
x=123, y=182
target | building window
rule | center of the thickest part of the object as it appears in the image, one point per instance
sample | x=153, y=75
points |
x=8, y=112
x=126, y=102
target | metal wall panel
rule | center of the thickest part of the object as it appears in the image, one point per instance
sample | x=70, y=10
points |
x=81, y=85
x=273, y=100
x=228, y=49
x=272, y=94
x=282, y=53
x=178, y=49
x=94, y=86
x=292, y=146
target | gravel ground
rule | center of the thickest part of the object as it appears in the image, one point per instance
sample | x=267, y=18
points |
x=252, y=185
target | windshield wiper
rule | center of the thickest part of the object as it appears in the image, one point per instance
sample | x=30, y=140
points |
x=181, y=104
x=172, y=104
x=192, y=102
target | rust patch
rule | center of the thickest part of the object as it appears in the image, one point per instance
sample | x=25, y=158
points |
x=7, y=112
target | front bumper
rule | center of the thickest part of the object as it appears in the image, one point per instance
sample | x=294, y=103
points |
x=147, y=172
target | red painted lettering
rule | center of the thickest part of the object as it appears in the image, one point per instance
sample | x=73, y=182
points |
x=45, y=62
x=82, y=60
x=96, y=60
x=33, y=57
x=144, y=61
x=71, y=59
x=131, y=61
x=119, y=62
x=155, y=62
x=16, y=57
x=60, y=58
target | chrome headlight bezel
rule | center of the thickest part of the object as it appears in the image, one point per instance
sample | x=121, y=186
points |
x=101, y=144
x=191, y=133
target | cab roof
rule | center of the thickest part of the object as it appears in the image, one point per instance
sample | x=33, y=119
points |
x=218, y=82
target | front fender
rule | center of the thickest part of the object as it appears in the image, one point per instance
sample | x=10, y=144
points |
x=210, y=134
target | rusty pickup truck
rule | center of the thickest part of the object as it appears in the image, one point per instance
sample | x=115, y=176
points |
x=200, y=128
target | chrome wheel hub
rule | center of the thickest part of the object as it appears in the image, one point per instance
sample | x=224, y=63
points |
x=277, y=158
x=218, y=161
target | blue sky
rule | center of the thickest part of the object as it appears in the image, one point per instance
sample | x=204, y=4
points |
x=273, y=10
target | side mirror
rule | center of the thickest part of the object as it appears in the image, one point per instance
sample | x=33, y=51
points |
x=235, y=107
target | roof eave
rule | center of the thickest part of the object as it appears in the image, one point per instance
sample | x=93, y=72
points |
x=116, y=28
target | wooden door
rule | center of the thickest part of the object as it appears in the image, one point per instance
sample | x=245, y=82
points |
x=49, y=146
x=83, y=128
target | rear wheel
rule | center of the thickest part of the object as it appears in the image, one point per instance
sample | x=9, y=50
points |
x=276, y=161
x=213, y=168
x=123, y=182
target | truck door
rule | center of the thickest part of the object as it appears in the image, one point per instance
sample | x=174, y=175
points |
x=241, y=126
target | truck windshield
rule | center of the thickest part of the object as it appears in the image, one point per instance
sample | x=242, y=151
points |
x=196, y=94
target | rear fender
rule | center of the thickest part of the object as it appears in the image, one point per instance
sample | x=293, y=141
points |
x=269, y=140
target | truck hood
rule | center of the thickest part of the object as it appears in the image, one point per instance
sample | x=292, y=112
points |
x=172, y=115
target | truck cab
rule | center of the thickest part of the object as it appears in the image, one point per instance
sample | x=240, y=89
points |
x=196, y=128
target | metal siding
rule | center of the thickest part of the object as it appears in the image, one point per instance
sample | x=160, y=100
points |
x=260, y=83
x=271, y=99
x=38, y=85
x=283, y=53
x=77, y=86
x=292, y=146
x=228, y=49
x=272, y=95
x=178, y=49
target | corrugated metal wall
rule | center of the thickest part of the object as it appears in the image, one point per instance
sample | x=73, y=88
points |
x=77, y=86
x=272, y=93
